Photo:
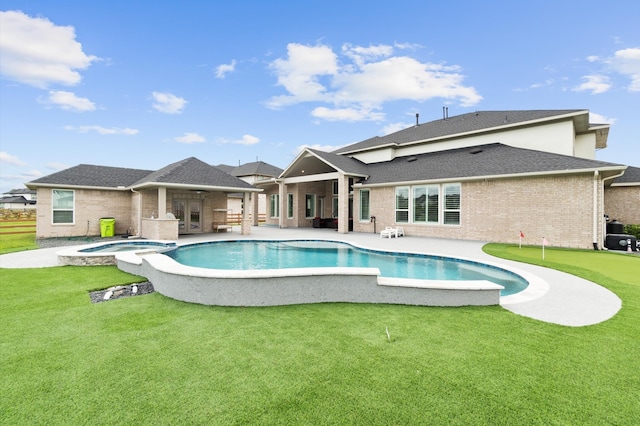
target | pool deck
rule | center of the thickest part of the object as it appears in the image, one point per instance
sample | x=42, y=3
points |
x=565, y=299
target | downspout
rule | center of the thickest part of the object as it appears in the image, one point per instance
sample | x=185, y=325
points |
x=139, y=213
x=595, y=213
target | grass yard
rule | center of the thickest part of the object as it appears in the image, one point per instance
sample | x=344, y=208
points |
x=17, y=235
x=153, y=360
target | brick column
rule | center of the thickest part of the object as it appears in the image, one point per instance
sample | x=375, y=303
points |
x=343, y=204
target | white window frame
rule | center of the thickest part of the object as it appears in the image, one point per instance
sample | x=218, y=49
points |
x=310, y=210
x=289, y=205
x=446, y=207
x=55, y=208
x=400, y=209
x=274, y=206
x=365, y=217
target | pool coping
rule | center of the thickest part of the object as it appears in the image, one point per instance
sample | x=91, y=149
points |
x=76, y=256
x=423, y=292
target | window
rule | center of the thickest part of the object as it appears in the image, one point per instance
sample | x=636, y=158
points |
x=433, y=204
x=365, y=214
x=419, y=204
x=334, y=207
x=310, y=206
x=402, y=204
x=63, y=206
x=274, y=205
x=335, y=187
x=290, y=205
x=451, y=211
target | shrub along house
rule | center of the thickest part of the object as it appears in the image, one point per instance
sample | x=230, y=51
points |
x=72, y=202
x=487, y=175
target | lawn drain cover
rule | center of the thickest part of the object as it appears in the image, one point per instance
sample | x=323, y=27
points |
x=121, y=291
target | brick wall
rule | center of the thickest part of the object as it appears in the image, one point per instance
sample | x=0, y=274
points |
x=91, y=205
x=557, y=208
x=622, y=203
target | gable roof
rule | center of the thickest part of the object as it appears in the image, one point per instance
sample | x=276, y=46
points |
x=475, y=122
x=189, y=172
x=314, y=162
x=483, y=161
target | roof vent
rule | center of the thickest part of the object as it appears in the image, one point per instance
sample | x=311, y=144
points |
x=475, y=151
x=411, y=159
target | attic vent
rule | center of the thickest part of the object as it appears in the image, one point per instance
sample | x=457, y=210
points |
x=475, y=151
x=411, y=159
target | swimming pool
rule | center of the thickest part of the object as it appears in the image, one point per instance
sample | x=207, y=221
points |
x=290, y=254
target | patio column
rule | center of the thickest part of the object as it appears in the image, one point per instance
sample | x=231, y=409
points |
x=245, y=222
x=343, y=204
x=255, y=208
x=282, y=196
x=162, y=202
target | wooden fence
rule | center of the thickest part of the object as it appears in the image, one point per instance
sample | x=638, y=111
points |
x=17, y=226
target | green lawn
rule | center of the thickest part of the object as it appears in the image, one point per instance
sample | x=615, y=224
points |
x=153, y=360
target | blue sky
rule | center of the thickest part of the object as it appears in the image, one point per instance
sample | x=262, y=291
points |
x=143, y=84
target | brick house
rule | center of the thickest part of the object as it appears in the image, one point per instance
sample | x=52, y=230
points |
x=185, y=197
x=486, y=175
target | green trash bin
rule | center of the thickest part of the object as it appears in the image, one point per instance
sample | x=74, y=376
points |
x=107, y=227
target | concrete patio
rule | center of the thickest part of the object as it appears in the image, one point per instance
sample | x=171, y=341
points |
x=557, y=297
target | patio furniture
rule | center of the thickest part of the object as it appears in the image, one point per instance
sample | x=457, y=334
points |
x=390, y=231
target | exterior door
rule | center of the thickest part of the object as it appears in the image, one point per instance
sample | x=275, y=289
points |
x=189, y=215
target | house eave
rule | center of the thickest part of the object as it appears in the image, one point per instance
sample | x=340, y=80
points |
x=210, y=188
x=602, y=170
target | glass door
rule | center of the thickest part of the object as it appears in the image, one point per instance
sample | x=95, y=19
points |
x=189, y=215
x=195, y=218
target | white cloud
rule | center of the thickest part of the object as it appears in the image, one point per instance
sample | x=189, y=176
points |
x=37, y=52
x=627, y=62
x=247, y=140
x=595, y=84
x=168, y=103
x=69, y=101
x=347, y=114
x=103, y=130
x=224, y=69
x=244, y=140
x=7, y=158
x=600, y=119
x=362, y=80
x=190, y=138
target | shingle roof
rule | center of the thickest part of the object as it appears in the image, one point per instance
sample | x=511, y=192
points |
x=257, y=168
x=189, y=171
x=630, y=176
x=93, y=176
x=484, y=160
x=460, y=124
x=192, y=171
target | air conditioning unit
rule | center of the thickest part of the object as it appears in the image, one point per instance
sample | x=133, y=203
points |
x=621, y=242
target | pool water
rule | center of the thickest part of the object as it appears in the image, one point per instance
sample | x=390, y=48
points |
x=127, y=246
x=252, y=255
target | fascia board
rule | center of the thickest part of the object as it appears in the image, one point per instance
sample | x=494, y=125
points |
x=505, y=176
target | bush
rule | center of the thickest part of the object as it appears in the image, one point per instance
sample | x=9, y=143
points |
x=632, y=230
